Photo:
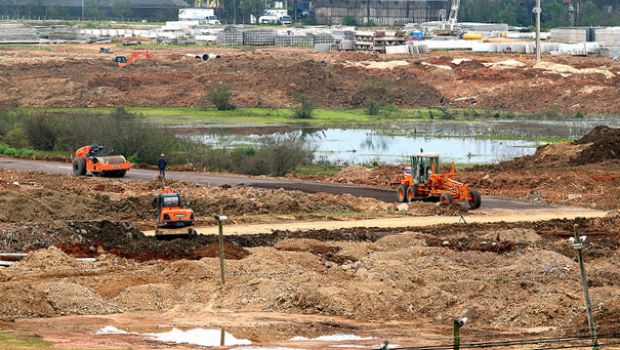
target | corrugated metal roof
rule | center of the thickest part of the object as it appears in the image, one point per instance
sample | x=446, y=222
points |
x=108, y=3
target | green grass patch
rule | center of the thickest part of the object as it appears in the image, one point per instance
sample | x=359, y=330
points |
x=12, y=341
x=253, y=116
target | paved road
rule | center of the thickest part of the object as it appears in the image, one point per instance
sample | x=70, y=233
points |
x=488, y=202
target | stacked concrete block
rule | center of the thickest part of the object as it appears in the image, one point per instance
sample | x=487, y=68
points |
x=18, y=33
x=323, y=39
x=569, y=35
x=608, y=36
x=230, y=38
x=294, y=40
x=259, y=37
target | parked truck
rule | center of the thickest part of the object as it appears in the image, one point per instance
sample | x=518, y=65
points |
x=203, y=15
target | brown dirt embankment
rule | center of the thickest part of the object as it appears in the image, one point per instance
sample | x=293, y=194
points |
x=78, y=76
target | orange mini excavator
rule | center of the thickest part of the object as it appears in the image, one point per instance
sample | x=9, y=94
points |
x=171, y=211
x=94, y=159
x=423, y=180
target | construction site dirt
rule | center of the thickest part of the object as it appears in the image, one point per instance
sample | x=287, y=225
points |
x=94, y=278
x=78, y=76
x=358, y=281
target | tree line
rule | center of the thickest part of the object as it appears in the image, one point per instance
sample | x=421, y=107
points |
x=554, y=12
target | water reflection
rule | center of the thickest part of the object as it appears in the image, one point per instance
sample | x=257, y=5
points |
x=466, y=142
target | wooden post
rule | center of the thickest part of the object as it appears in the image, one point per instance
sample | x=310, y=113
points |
x=221, y=238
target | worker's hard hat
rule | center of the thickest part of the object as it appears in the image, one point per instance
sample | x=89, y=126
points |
x=162, y=155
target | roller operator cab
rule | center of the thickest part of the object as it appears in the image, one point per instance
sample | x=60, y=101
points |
x=422, y=179
x=171, y=212
x=94, y=159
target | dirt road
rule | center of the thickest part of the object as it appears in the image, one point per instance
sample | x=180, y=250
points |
x=405, y=221
x=258, y=182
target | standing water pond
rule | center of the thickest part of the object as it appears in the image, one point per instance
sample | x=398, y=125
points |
x=473, y=142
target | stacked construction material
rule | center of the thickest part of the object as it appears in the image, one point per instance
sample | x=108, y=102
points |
x=569, y=35
x=294, y=40
x=323, y=38
x=608, y=36
x=230, y=38
x=63, y=34
x=259, y=37
x=18, y=33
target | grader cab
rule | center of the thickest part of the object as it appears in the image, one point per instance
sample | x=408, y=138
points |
x=422, y=179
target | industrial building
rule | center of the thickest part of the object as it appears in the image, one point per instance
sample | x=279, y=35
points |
x=380, y=12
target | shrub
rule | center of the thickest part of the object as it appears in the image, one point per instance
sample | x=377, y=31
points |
x=3, y=148
x=17, y=138
x=24, y=152
x=282, y=154
x=274, y=156
x=219, y=97
x=373, y=107
x=42, y=131
x=305, y=109
x=9, y=151
x=375, y=92
x=579, y=115
x=391, y=110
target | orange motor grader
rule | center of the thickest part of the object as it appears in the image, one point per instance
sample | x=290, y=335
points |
x=93, y=159
x=422, y=179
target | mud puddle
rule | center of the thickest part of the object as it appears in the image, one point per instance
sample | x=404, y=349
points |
x=194, y=336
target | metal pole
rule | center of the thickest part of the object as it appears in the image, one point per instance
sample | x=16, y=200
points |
x=457, y=335
x=538, y=11
x=222, y=337
x=458, y=324
x=82, y=10
x=578, y=245
x=221, y=238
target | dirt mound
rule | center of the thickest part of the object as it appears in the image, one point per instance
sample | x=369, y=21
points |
x=156, y=296
x=231, y=251
x=381, y=176
x=51, y=258
x=515, y=235
x=74, y=298
x=426, y=275
x=40, y=198
x=599, y=145
x=603, y=143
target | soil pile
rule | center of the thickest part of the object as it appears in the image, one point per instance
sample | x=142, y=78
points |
x=38, y=197
x=603, y=143
x=381, y=176
x=599, y=145
x=531, y=275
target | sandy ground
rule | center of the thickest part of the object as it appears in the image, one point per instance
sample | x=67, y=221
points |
x=530, y=215
x=77, y=75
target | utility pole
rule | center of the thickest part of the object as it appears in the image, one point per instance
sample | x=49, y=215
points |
x=577, y=243
x=82, y=10
x=538, y=11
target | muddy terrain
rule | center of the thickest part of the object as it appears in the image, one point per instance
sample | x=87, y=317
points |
x=78, y=76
